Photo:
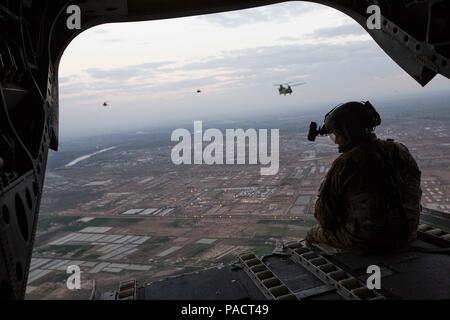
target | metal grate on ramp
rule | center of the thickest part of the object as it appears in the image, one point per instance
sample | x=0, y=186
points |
x=346, y=285
x=269, y=284
x=433, y=235
x=127, y=290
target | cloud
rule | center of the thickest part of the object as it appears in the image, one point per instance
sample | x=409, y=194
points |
x=114, y=40
x=286, y=56
x=351, y=29
x=273, y=13
x=99, y=30
x=276, y=44
x=124, y=73
x=236, y=19
x=247, y=68
x=136, y=80
x=66, y=80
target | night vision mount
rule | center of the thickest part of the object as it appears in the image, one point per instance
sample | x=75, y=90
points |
x=314, y=131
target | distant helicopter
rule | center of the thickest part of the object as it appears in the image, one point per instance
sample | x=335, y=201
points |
x=286, y=88
x=105, y=104
x=199, y=91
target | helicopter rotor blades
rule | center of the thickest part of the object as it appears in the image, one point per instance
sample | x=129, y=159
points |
x=297, y=84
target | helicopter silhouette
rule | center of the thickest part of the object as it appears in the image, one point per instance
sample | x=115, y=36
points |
x=286, y=88
x=105, y=104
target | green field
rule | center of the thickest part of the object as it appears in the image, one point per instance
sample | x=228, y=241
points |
x=270, y=231
x=45, y=222
x=116, y=222
x=196, y=249
x=76, y=250
x=299, y=222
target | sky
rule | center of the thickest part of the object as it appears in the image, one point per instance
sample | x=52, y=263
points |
x=149, y=72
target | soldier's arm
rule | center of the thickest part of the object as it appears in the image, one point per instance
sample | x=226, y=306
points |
x=329, y=207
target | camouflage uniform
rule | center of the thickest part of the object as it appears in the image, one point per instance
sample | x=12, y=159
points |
x=370, y=199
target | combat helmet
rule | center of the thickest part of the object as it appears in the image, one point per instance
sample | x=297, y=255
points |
x=356, y=121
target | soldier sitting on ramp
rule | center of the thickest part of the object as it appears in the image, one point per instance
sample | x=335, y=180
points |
x=370, y=199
